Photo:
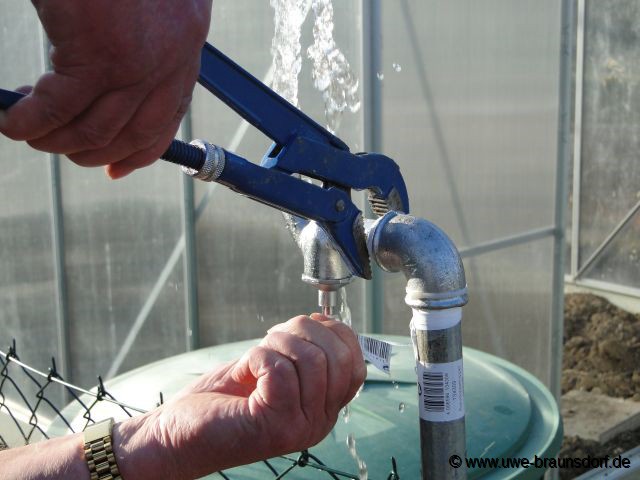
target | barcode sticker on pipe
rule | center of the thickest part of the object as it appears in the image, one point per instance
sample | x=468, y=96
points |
x=377, y=352
x=441, y=391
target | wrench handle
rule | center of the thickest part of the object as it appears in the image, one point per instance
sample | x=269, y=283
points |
x=8, y=98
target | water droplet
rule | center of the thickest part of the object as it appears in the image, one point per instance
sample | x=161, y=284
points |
x=401, y=407
x=380, y=76
x=346, y=413
x=351, y=443
x=397, y=67
x=363, y=473
x=395, y=385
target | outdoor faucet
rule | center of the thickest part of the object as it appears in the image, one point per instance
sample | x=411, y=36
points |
x=323, y=265
x=436, y=290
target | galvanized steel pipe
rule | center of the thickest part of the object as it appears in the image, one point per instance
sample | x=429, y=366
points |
x=436, y=289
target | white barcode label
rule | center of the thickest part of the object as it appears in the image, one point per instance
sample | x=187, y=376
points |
x=377, y=352
x=441, y=391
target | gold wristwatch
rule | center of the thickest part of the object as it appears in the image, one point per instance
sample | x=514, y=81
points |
x=98, y=451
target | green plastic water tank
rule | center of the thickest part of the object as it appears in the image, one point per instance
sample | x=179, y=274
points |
x=509, y=414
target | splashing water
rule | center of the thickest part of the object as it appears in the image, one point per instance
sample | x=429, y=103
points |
x=289, y=15
x=346, y=413
x=345, y=311
x=332, y=74
x=363, y=473
x=397, y=67
x=401, y=407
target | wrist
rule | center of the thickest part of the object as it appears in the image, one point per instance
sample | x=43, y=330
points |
x=138, y=452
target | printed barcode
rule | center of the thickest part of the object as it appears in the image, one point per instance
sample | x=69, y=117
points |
x=433, y=393
x=376, y=347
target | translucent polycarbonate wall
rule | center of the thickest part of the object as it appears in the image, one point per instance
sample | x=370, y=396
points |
x=27, y=276
x=470, y=111
x=606, y=198
x=111, y=275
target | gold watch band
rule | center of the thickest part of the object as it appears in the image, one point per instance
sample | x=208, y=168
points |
x=98, y=451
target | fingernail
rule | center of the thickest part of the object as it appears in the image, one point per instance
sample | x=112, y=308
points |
x=115, y=173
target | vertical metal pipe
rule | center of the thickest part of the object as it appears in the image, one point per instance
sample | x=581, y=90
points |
x=578, y=37
x=63, y=361
x=372, y=86
x=438, y=350
x=568, y=37
x=57, y=231
x=190, y=254
x=436, y=290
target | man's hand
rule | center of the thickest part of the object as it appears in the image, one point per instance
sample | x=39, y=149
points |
x=122, y=79
x=282, y=396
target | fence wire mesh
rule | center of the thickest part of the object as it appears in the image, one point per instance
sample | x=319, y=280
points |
x=28, y=392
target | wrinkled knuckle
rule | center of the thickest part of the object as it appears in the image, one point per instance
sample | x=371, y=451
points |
x=259, y=352
x=344, y=357
x=284, y=368
x=316, y=358
x=299, y=323
x=142, y=140
x=55, y=116
x=95, y=136
x=347, y=330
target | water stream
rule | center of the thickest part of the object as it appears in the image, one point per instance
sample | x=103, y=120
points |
x=333, y=78
x=331, y=72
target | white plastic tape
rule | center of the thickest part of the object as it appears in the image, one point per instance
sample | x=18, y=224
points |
x=436, y=319
x=440, y=391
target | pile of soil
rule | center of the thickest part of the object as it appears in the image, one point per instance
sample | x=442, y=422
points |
x=576, y=447
x=601, y=348
x=601, y=354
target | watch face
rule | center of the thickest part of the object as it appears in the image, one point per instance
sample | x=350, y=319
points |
x=98, y=430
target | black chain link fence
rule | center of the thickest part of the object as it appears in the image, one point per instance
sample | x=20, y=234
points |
x=42, y=395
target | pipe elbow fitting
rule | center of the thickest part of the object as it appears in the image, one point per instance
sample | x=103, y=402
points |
x=425, y=255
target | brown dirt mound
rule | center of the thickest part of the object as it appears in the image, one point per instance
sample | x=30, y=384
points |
x=576, y=447
x=601, y=354
x=602, y=347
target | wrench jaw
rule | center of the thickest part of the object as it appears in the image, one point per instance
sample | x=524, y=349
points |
x=350, y=240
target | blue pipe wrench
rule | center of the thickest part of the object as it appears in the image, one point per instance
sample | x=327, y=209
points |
x=301, y=146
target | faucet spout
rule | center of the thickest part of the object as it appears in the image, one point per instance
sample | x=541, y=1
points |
x=323, y=265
